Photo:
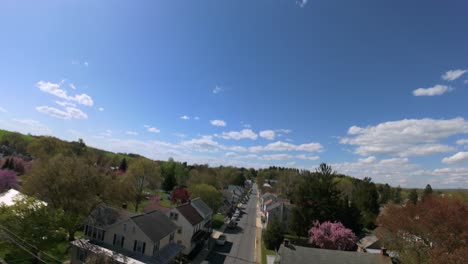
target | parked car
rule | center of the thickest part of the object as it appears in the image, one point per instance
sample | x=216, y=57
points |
x=221, y=240
x=232, y=224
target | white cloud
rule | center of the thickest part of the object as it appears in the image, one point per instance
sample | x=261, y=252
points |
x=203, y=144
x=277, y=157
x=217, y=89
x=153, y=130
x=54, y=89
x=72, y=86
x=301, y=3
x=432, y=91
x=184, y=117
x=268, y=134
x=462, y=141
x=69, y=113
x=453, y=74
x=284, y=146
x=238, y=135
x=65, y=104
x=3, y=110
x=101, y=109
x=196, y=118
x=132, y=133
x=284, y=131
x=180, y=135
x=305, y=157
x=218, y=123
x=86, y=64
x=367, y=160
x=404, y=138
x=457, y=158
x=231, y=155
x=237, y=148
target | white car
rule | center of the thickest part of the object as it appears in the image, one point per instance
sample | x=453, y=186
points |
x=221, y=240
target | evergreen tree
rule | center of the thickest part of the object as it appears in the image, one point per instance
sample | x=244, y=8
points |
x=397, y=195
x=365, y=197
x=123, y=165
x=413, y=196
x=169, y=182
x=427, y=191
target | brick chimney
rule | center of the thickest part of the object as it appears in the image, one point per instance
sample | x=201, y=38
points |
x=286, y=242
x=383, y=251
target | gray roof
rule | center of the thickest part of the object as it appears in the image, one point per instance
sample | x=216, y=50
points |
x=370, y=241
x=202, y=208
x=303, y=255
x=155, y=225
x=272, y=206
x=105, y=215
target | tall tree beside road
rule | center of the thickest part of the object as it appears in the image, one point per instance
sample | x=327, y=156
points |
x=142, y=174
x=71, y=184
x=273, y=235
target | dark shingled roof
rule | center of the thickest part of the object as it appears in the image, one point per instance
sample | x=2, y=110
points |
x=190, y=214
x=201, y=207
x=105, y=215
x=303, y=255
x=155, y=225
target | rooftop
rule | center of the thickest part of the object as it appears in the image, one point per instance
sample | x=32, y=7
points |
x=202, y=208
x=156, y=225
x=303, y=255
x=190, y=214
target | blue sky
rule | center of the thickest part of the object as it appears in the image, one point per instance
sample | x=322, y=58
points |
x=375, y=88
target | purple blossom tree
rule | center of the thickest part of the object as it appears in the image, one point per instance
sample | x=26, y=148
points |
x=330, y=235
x=8, y=180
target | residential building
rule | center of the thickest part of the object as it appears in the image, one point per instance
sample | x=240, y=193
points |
x=370, y=244
x=205, y=211
x=281, y=210
x=146, y=238
x=190, y=232
x=289, y=253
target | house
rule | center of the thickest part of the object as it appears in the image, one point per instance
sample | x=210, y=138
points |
x=127, y=237
x=205, y=211
x=228, y=204
x=190, y=232
x=281, y=210
x=289, y=253
x=268, y=198
x=370, y=244
x=237, y=193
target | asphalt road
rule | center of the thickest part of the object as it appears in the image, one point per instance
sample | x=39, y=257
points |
x=240, y=244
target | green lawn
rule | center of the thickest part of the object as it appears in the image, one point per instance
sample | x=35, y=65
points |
x=218, y=220
x=266, y=252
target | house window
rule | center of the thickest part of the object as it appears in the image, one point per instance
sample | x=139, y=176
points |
x=81, y=254
x=139, y=246
x=100, y=234
x=174, y=216
x=179, y=231
x=171, y=238
x=118, y=241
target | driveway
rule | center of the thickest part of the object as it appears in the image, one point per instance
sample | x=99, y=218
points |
x=240, y=245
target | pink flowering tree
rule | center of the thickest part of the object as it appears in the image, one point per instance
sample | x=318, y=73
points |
x=8, y=180
x=330, y=235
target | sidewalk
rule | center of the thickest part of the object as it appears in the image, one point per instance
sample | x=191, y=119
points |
x=258, y=236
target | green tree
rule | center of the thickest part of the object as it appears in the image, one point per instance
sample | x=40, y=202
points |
x=33, y=222
x=123, y=165
x=70, y=184
x=273, y=235
x=142, y=174
x=209, y=194
x=427, y=191
x=316, y=198
x=385, y=193
x=365, y=197
x=169, y=182
x=397, y=195
x=413, y=196
x=15, y=141
x=46, y=147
